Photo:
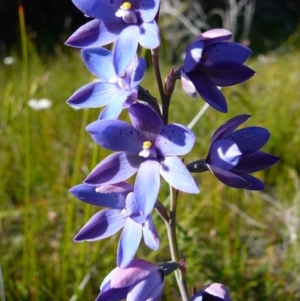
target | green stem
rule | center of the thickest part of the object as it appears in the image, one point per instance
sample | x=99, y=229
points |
x=164, y=102
x=171, y=229
x=28, y=256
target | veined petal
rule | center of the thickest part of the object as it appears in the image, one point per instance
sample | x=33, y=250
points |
x=174, y=140
x=151, y=237
x=229, y=178
x=102, y=225
x=255, y=162
x=149, y=36
x=193, y=55
x=125, y=48
x=145, y=120
x=224, y=77
x=250, y=139
x=115, y=168
x=129, y=242
x=229, y=126
x=146, y=186
x=176, y=174
x=208, y=91
x=94, y=95
x=94, y=34
x=226, y=55
x=147, y=9
x=116, y=135
x=99, y=62
x=88, y=194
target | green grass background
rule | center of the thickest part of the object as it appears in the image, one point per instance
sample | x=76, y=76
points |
x=248, y=241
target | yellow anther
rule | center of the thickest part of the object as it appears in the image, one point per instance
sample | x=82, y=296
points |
x=126, y=6
x=147, y=145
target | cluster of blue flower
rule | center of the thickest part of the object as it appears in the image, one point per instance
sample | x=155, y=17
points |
x=150, y=147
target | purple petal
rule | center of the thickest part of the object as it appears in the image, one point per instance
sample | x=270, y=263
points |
x=131, y=208
x=219, y=290
x=150, y=288
x=94, y=34
x=256, y=184
x=115, y=107
x=255, y=162
x=174, y=140
x=94, y=95
x=147, y=9
x=145, y=120
x=187, y=85
x=125, y=48
x=208, y=91
x=149, y=36
x=99, y=62
x=229, y=126
x=115, y=168
x=176, y=174
x=88, y=194
x=116, y=135
x=129, y=242
x=226, y=55
x=225, y=154
x=193, y=55
x=102, y=225
x=137, y=270
x=147, y=186
x=113, y=295
x=214, y=291
x=250, y=139
x=122, y=187
x=138, y=73
x=229, y=178
x=151, y=237
x=104, y=11
x=229, y=76
x=213, y=36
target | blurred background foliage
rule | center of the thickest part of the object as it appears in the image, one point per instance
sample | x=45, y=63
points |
x=265, y=24
x=247, y=240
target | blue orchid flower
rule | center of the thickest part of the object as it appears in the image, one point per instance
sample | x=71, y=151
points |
x=114, y=90
x=127, y=24
x=122, y=213
x=148, y=148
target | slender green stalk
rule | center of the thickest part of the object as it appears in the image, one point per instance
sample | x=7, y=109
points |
x=171, y=229
x=164, y=102
x=71, y=206
x=28, y=264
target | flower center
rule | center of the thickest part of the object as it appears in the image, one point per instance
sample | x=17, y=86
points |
x=126, y=6
x=127, y=13
x=122, y=81
x=148, y=151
